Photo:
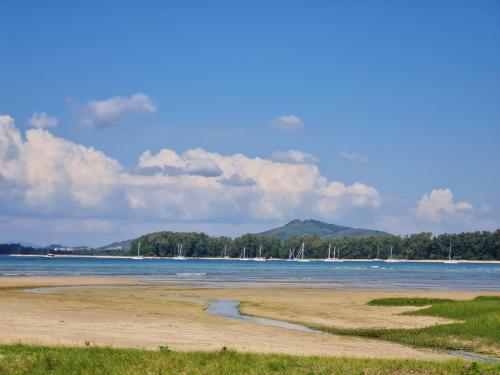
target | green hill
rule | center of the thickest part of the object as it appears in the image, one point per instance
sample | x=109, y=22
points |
x=318, y=228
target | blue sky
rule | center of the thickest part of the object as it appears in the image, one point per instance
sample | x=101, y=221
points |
x=412, y=87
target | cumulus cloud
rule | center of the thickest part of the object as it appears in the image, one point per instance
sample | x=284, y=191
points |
x=110, y=111
x=287, y=123
x=42, y=120
x=439, y=205
x=293, y=157
x=437, y=212
x=352, y=156
x=50, y=175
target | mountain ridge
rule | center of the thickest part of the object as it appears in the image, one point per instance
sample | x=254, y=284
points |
x=311, y=227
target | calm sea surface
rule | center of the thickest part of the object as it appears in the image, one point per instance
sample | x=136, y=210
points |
x=363, y=275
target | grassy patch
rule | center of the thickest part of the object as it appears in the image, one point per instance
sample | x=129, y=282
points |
x=39, y=360
x=478, y=329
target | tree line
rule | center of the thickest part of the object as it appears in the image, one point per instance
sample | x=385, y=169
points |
x=466, y=246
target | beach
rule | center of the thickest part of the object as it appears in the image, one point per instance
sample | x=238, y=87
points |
x=133, y=313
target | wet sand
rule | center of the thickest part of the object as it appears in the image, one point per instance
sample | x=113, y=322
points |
x=129, y=313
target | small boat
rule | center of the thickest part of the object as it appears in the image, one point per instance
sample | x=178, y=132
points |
x=179, y=253
x=50, y=256
x=390, y=259
x=450, y=261
x=259, y=258
x=243, y=255
x=138, y=257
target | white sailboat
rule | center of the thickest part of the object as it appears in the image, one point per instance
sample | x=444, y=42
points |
x=138, y=257
x=450, y=261
x=225, y=256
x=291, y=255
x=391, y=259
x=300, y=255
x=378, y=253
x=260, y=258
x=329, y=259
x=179, y=253
x=336, y=253
x=243, y=255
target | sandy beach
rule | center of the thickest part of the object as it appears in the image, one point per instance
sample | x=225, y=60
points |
x=130, y=313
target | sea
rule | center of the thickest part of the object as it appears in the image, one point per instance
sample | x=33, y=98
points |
x=232, y=272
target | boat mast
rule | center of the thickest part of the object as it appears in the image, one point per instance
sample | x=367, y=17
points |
x=139, y=248
x=329, y=247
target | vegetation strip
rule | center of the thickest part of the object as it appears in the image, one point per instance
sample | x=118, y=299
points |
x=41, y=360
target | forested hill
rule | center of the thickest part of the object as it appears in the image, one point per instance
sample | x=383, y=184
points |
x=318, y=228
x=476, y=245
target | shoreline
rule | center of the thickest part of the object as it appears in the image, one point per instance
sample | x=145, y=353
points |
x=269, y=259
x=134, y=313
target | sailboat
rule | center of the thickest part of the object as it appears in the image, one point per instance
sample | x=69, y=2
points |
x=378, y=253
x=179, y=252
x=243, y=255
x=138, y=257
x=330, y=259
x=450, y=261
x=336, y=253
x=390, y=259
x=291, y=255
x=259, y=258
x=300, y=255
x=225, y=256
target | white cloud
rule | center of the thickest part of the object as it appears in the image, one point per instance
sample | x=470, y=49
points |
x=293, y=157
x=47, y=175
x=287, y=123
x=42, y=120
x=352, y=156
x=437, y=212
x=438, y=205
x=110, y=111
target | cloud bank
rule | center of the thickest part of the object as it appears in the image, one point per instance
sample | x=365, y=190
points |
x=47, y=175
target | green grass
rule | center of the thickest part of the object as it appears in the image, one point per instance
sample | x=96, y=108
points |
x=407, y=301
x=477, y=328
x=39, y=360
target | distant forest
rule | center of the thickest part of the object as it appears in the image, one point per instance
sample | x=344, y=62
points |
x=466, y=246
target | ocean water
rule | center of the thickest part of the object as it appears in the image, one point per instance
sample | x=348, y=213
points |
x=208, y=272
